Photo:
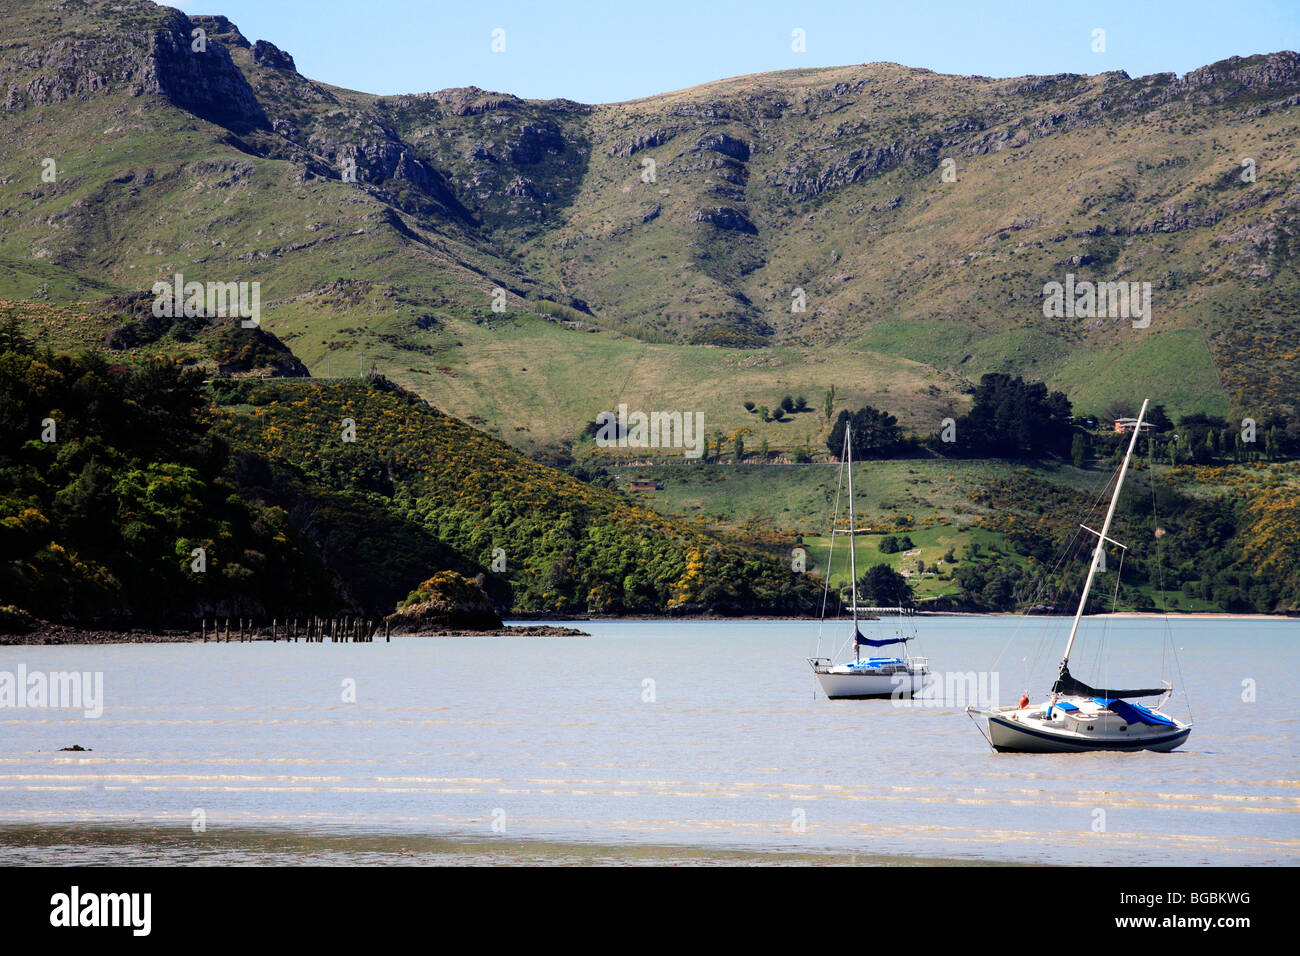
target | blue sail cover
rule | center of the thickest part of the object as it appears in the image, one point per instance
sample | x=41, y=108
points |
x=868, y=642
x=871, y=663
x=1135, y=713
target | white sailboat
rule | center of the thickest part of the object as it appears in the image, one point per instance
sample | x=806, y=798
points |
x=870, y=677
x=1076, y=717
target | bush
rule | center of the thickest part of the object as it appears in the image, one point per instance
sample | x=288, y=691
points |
x=15, y=620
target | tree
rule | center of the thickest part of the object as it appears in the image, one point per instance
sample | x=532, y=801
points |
x=800, y=403
x=1012, y=418
x=882, y=586
x=740, y=448
x=787, y=403
x=875, y=433
x=763, y=449
x=1080, y=451
x=749, y=406
x=1158, y=419
x=828, y=403
x=12, y=338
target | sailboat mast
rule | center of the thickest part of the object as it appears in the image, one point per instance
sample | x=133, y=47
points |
x=853, y=538
x=1101, y=540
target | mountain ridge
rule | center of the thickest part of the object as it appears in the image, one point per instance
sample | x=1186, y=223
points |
x=825, y=181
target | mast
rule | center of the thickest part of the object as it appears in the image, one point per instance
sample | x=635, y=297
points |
x=853, y=538
x=1101, y=538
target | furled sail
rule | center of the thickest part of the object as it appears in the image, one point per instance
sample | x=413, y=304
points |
x=1068, y=684
x=860, y=640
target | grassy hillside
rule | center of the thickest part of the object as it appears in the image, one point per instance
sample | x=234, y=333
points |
x=1225, y=543
x=233, y=166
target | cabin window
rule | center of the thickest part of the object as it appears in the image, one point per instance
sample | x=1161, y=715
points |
x=1123, y=727
x=1090, y=726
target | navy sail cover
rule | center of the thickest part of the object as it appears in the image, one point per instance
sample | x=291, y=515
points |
x=868, y=642
x=1068, y=684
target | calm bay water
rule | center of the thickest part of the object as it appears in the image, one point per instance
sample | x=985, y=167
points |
x=647, y=742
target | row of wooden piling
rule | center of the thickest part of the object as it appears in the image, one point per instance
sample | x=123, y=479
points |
x=313, y=630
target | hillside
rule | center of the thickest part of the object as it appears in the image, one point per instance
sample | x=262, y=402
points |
x=227, y=164
x=135, y=495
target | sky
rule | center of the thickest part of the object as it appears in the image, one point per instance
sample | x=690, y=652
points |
x=611, y=50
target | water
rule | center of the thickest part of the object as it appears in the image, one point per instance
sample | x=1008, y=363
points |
x=647, y=742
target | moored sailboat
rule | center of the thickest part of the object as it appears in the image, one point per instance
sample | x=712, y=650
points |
x=870, y=677
x=1077, y=717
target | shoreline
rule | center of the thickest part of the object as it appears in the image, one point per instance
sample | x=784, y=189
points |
x=50, y=635
x=171, y=843
x=58, y=634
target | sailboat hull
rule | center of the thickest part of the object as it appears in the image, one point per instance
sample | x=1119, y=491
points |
x=846, y=686
x=1008, y=735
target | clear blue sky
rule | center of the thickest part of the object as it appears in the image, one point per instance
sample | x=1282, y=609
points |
x=600, y=51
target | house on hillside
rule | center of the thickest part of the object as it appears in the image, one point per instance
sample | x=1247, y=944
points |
x=1124, y=425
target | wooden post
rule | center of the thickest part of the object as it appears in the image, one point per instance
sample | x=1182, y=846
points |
x=203, y=626
x=227, y=630
x=387, y=627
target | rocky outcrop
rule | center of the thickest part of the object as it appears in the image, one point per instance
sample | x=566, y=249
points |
x=447, y=600
x=725, y=217
x=269, y=55
x=647, y=140
x=220, y=28
x=726, y=145
x=471, y=101
x=203, y=81
x=533, y=142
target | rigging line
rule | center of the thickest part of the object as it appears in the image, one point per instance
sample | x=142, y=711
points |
x=1061, y=557
x=830, y=558
x=1168, y=642
x=981, y=730
x=1102, y=666
x=1045, y=632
